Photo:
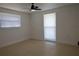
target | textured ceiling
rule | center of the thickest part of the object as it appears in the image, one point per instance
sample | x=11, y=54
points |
x=25, y=7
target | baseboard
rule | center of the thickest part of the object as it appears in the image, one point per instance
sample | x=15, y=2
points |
x=10, y=43
x=37, y=39
x=66, y=44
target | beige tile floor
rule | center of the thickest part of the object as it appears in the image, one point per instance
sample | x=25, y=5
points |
x=39, y=48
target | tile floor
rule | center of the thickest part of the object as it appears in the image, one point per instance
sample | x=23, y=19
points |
x=39, y=48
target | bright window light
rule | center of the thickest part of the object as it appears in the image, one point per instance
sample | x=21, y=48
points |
x=9, y=20
x=50, y=26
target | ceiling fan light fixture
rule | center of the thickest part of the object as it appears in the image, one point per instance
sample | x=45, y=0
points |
x=33, y=10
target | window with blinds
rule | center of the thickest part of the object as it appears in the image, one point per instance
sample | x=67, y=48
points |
x=9, y=20
x=50, y=26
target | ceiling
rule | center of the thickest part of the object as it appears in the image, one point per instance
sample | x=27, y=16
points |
x=25, y=7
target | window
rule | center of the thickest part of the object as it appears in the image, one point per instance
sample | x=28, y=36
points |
x=9, y=20
x=50, y=26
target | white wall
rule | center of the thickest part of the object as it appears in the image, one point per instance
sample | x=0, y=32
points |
x=67, y=24
x=37, y=26
x=13, y=35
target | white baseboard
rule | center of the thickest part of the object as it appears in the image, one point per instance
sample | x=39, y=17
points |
x=10, y=43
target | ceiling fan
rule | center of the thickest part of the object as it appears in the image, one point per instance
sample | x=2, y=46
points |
x=34, y=8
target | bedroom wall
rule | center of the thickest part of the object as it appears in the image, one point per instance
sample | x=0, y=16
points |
x=66, y=20
x=12, y=35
